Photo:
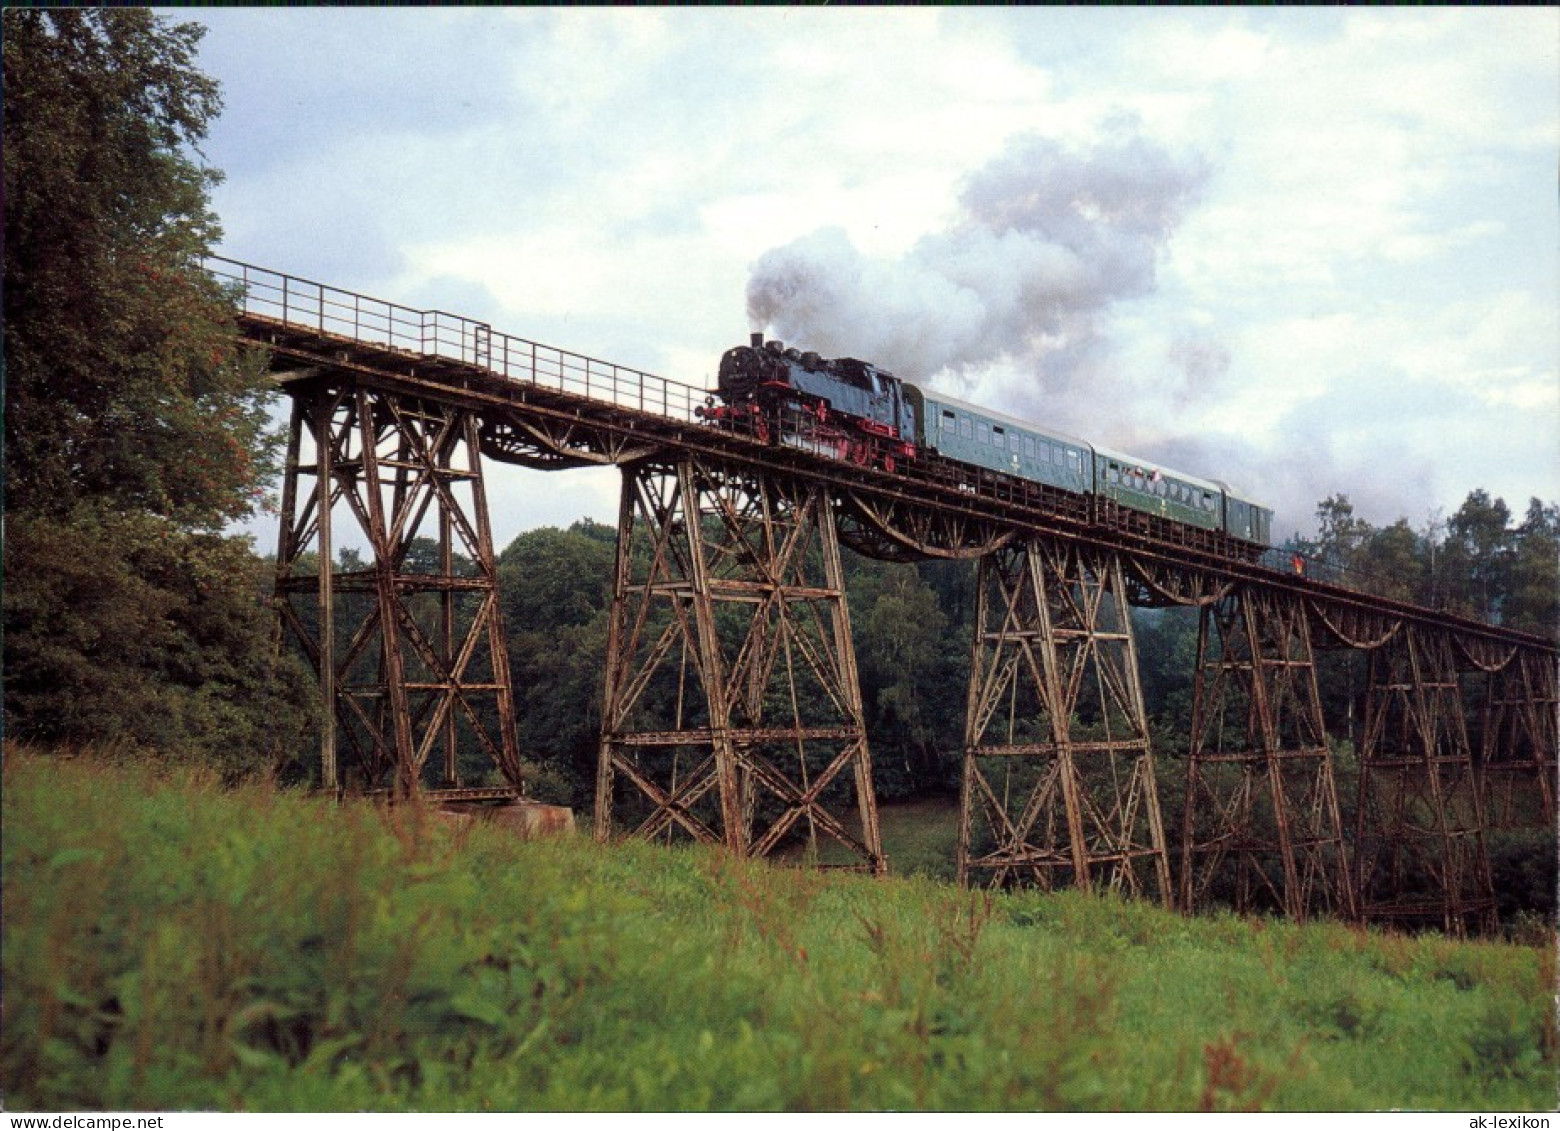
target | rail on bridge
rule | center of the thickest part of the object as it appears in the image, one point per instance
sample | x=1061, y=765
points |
x=732, y=710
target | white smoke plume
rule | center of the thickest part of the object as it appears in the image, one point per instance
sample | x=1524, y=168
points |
x=1048, y=239
x=1017, y=296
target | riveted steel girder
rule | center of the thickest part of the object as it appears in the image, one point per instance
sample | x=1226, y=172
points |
x=1058, y=781
x=1152, y=583
x=1419, y=846
x=899, y=530
x=1516, y=750
x=407, y=642
x=1262, y=827
x=397, y=675
x=732, y=710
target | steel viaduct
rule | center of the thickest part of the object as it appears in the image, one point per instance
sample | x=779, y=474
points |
x=732, y=712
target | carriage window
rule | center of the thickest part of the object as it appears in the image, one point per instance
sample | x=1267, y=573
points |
x=1074, y=461
x=948, y=421
x=998, y=437
x=982, y=432
x=966, y=429
x=1029, y=446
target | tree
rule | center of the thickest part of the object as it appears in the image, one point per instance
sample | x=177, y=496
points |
x=899, y=632
x=135, y=429
x=556, y=588
x=1476, y=554
x=1533, y=602
x=1392, y=562
x=1339, y=533
x=123, y=382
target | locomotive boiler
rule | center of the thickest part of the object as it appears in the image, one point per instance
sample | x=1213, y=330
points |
x=847, y=409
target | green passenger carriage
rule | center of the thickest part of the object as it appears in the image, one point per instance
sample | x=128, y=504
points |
x=975, y=435
x=851, y=410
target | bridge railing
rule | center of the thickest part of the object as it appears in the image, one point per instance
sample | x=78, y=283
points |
x=301, y=304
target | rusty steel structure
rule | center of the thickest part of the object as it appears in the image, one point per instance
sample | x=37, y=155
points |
x=730, y=589
x=731, y=709
x=1261, y=797
x=1420, y=853
x=1058, y=780
x=1518, y=716
x=409, y=647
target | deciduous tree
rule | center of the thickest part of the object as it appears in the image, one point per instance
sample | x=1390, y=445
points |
x=135, y=429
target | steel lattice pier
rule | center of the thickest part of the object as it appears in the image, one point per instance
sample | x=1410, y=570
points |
x=732, y=707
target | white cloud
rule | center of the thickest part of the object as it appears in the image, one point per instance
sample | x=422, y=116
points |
x=1370, y=268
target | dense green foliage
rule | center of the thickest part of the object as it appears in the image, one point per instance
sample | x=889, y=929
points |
x=1475, y=564
x=171, y=945
x=910, y=625
x=135, y=429
x=121, y=631
x=122, y=383
x=555, y=587
x=912, y=630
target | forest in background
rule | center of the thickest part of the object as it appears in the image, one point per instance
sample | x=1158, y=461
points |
x=181, y=934
x=912, y=625
x=138, y=432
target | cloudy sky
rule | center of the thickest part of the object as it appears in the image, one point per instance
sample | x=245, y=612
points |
x=1310, y=251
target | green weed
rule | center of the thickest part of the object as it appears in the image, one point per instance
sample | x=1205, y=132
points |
x=171, y=943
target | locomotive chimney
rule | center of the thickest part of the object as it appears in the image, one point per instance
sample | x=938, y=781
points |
x=758, y=339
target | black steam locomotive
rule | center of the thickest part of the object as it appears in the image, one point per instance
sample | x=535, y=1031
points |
x=852, y=410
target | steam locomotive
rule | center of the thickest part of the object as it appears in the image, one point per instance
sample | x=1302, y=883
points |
x=852, y=410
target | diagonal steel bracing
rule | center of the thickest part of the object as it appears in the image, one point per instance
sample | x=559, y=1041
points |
x=409, y=652
x=732, y=708
x=407, y=641
x=1058, y=780
x=1262, y=826
x=1516, y=749
x=1419, y=842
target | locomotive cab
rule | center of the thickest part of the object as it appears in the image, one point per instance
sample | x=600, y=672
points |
x=842, y=408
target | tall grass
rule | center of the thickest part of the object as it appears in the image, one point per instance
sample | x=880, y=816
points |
x=170, y=944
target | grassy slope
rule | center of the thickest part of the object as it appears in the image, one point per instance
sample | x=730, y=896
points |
x=168, y=945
